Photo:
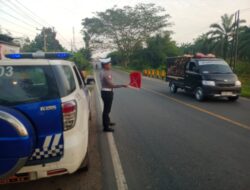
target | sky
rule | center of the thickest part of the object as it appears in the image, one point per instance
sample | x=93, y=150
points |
x=190, y=18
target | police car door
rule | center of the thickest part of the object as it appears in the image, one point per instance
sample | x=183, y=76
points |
x=82, y=97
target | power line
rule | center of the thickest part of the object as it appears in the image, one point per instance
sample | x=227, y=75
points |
x=18, y=19
x=16, y=24
x=41, y=19
x=8, y=30
x=246, y=9
x=21, y=12
x=35, y=15
x=31, y=12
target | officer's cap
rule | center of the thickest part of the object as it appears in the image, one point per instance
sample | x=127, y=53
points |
x=105, y=61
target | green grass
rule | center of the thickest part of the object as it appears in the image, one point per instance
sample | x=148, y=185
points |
x=245, y=80
x=243, y=71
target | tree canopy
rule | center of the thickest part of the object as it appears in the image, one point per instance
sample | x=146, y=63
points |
x=52, y=44
x=154, y=55
x=219, y=40
x=125, y=29
x=5, y=38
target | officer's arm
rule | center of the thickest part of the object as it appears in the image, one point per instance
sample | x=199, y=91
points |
x=111, y=84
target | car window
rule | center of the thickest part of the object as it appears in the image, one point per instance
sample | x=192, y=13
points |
x=71, y=85
x=27, y=84
x=192, y=67
x=79, y=79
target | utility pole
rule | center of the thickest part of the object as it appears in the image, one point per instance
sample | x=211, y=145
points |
x=45, y=42
x=74, y=45
x=236, y=37
x=235, y=40
x=44, y=39
x=71, y=45
x=232, y=49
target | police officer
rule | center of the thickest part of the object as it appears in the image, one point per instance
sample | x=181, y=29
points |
x=107, y=93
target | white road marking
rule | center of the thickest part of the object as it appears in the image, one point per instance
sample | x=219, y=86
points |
x=119, y=174
x=47, y=141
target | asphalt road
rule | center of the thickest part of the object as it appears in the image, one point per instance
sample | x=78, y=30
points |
x=168, y=141
x=165, y=142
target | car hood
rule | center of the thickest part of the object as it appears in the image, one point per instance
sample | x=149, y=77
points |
x=220, y=77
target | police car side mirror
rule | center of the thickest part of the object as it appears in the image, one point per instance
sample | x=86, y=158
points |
x=90, y=81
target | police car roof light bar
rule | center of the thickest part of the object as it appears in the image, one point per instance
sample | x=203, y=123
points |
x=39, y=55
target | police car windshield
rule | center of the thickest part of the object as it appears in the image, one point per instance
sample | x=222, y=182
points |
x=23, y=84
x=214, y=67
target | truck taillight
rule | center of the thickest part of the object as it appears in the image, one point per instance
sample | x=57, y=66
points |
x=69, y=110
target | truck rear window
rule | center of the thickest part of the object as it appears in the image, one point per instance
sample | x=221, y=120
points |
x=23, y=84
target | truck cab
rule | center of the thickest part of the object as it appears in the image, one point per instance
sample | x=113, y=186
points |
x=204, y=76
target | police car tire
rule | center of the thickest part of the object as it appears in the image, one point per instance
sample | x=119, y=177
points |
x=25, y=123
x=90, y=115
x=85, y=163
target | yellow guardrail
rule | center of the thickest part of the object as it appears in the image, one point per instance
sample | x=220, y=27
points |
x=161, y=74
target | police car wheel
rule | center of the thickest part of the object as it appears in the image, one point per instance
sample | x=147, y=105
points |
x=85, y=163
x=90, y=116
x=199, y=94
x=17, y=141
x=173, y=88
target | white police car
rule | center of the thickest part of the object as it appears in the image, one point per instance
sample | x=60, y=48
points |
x=44, y=117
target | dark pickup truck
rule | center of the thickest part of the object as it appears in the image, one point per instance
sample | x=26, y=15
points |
x=204, y=76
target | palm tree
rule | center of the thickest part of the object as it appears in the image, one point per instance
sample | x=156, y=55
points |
x=203, y=44
x=222, y=34
x=244, y=43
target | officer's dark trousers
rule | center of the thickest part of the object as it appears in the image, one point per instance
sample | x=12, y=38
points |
x=107, y=97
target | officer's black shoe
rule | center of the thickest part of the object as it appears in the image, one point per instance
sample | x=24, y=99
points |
x=108, y=129
x=112, y=124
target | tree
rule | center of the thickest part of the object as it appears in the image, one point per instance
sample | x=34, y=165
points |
x=124, y=29
x=86, y=39
x=244, y=44
x=159, y=48
x=222, y=34
x=52, y=44
x=186, y=48
x=5, y=38
x=152, y=54
x=80, y=60
x=116, y=57
x=203, y=44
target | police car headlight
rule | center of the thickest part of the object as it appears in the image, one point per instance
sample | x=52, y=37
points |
x=237, y=83
x=208, y=83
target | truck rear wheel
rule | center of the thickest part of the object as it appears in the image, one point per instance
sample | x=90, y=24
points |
x=173, y=88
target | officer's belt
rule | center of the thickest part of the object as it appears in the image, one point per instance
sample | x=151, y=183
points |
x=107, y=89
